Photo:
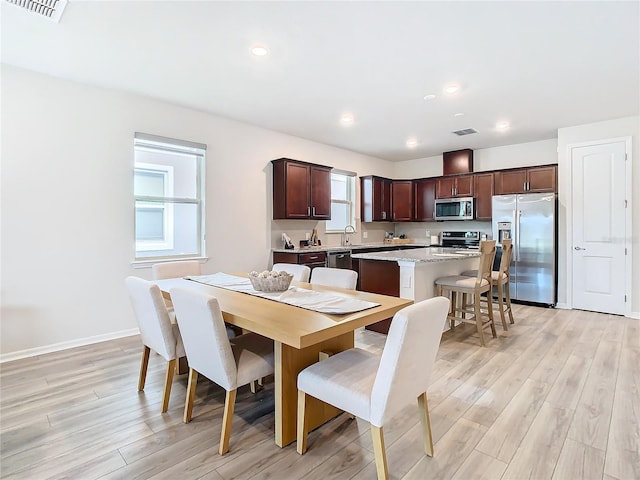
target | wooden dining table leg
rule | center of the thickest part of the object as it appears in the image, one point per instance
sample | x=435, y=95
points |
x=290, y=361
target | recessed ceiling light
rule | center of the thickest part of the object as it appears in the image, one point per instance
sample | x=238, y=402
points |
x=259, y=50
x=502, y=125
x=346, y=119
x=412, y=143
x=458, y=114
x=431, y=96
x=451, y=89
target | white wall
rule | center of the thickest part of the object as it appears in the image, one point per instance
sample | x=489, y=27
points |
x=619, y=128
x=67, y=203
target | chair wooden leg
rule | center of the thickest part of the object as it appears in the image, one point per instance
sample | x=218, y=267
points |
x=492, y=324
x=168, y=381
x=379, y=453
x=501, y=307
x=143, y=367
x=426, y=424
x=229, y=405
x=301, y=444
x=191, y=392
x=508, y=295
x=454, y=306
x=478, y=315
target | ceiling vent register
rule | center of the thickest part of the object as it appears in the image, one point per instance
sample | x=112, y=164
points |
x=51, y=9
x=465, y=131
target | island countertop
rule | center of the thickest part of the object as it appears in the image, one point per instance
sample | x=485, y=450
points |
x=419, y=255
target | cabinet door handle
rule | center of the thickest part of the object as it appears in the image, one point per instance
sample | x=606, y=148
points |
x=384, y=215
x=308, y=211
x=313, y=258
x=313, y=210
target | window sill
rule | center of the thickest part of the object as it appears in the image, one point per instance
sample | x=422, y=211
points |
x=149, y=263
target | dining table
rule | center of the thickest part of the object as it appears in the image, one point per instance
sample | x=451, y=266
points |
x=300, y=335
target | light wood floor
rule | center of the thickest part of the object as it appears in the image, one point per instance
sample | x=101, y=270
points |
x=557, y=396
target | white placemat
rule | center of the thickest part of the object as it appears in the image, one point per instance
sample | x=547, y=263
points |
x=323, y=302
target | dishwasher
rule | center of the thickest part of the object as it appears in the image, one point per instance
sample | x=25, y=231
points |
x=340, y=259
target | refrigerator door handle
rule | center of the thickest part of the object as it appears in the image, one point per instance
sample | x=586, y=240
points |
x=517, y=223
x=515, y=236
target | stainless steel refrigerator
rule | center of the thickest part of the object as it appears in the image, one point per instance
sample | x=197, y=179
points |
x=530, y=221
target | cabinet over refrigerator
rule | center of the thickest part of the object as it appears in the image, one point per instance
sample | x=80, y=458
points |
x=530, y=221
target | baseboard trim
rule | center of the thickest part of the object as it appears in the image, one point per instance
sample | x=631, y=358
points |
x=565, y=306
x=56, y=347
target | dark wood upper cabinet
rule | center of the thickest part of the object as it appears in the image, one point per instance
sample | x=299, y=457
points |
x=375, y=201
x=301, y=190
x=454, y=186
x=424, y=199
x=458, y=161
x=402, y=200
x=388, y=200
x=526, y=180
x=542, y=179
x=483, y=188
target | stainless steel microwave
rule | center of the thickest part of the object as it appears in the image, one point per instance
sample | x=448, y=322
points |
x=454, y=209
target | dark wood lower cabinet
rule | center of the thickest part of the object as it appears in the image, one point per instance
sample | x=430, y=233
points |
x=382, y=277
x=311, y=260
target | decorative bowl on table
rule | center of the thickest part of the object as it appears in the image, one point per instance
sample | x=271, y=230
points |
x=270, y=281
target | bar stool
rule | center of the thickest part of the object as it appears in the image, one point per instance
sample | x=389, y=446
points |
x=454, y=284
x=500, y=279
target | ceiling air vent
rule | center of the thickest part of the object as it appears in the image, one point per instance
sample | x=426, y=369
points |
x=52, y=9
x=465, y=131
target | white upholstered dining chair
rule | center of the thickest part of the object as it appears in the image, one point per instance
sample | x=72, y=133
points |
x=160, y=271
x=177, y=269
x=156, y=331
x=376, y=388
x=300, y=272
x=334, y=277
x=230, y=364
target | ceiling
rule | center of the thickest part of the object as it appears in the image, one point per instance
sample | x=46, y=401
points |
x=537, y=65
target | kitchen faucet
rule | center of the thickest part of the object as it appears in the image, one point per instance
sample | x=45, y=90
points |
x=345, y=236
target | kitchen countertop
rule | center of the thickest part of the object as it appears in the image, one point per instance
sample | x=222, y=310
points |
x=353, y=248
x=419, y=255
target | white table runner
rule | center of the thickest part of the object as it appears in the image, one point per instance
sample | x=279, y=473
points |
x=323, y=302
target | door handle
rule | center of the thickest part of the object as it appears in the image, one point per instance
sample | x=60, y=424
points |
x=579, y=248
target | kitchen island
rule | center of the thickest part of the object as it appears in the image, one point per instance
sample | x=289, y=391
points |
x=410, y=274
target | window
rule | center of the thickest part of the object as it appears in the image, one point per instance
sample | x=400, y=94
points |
x=169, y=198
x=343, y=196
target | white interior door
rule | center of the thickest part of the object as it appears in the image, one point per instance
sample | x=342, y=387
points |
x=598, y=212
